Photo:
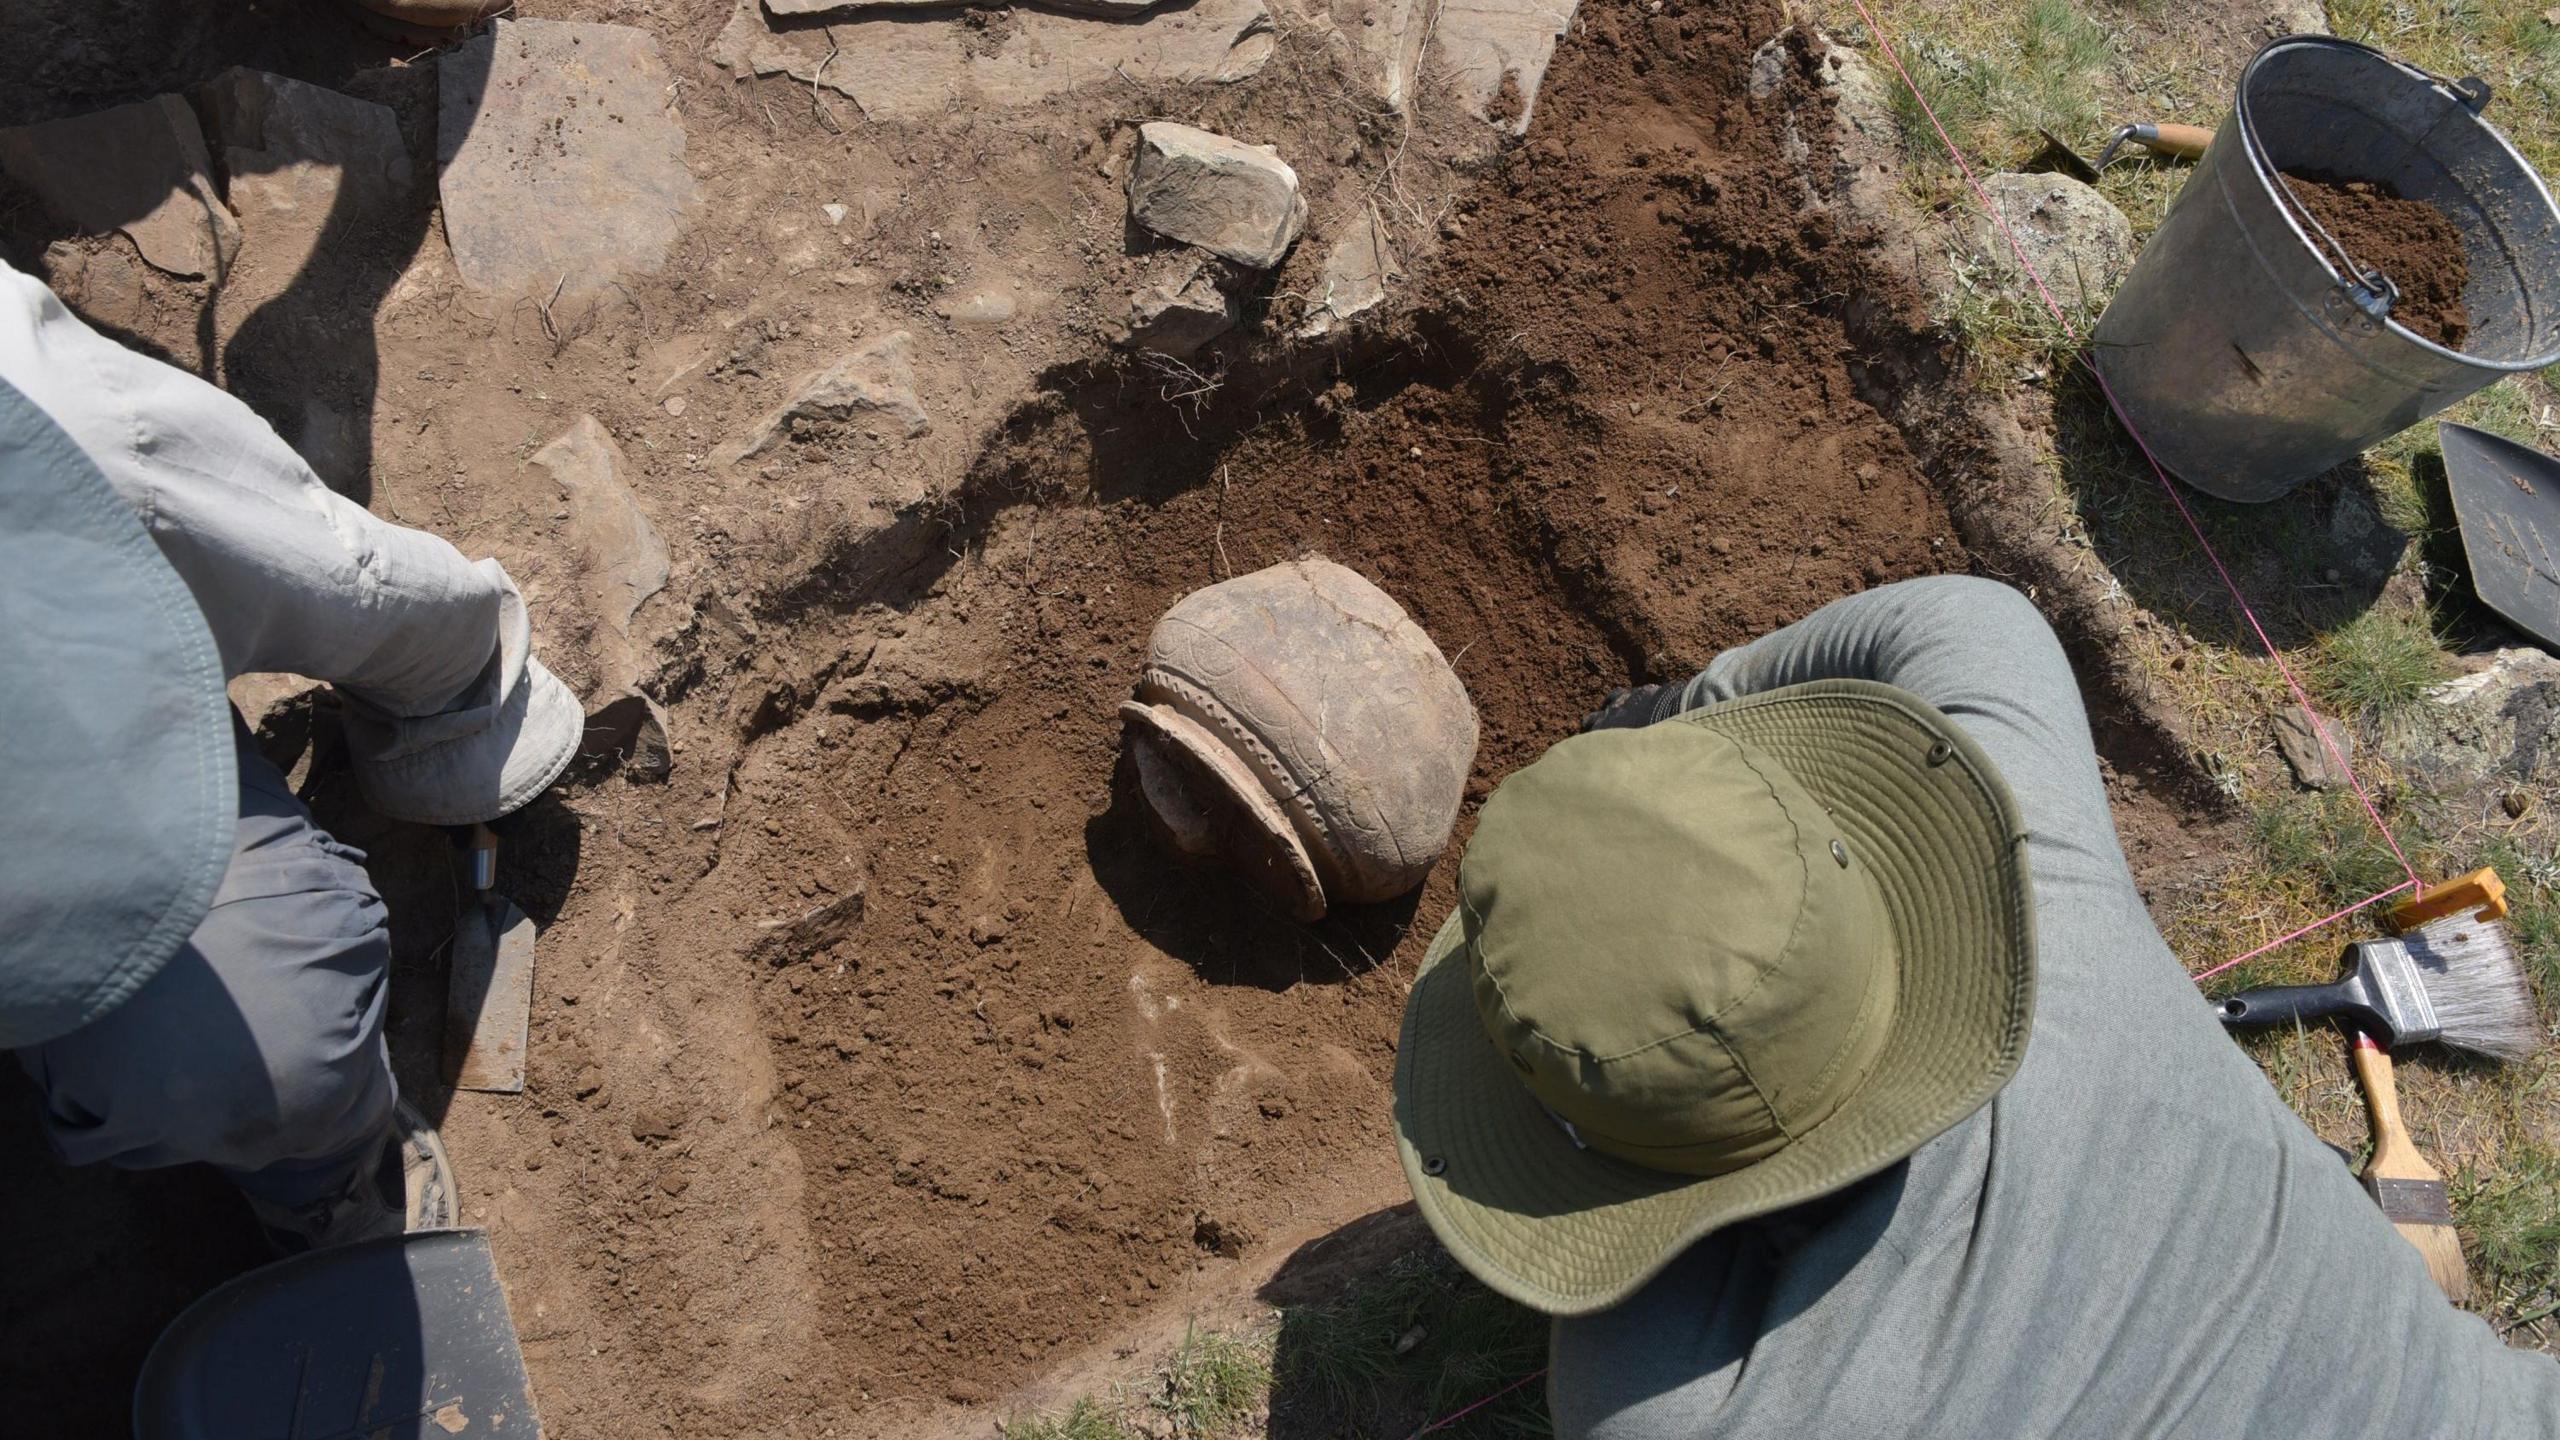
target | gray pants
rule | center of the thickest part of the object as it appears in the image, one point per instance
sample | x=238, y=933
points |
x=258, y=1049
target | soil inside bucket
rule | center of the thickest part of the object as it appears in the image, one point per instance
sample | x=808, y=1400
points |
x=2409, y=240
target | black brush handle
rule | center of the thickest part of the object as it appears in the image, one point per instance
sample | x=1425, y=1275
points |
x=2288, y=1004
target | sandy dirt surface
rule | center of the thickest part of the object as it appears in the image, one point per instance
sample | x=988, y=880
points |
x=880, y=1066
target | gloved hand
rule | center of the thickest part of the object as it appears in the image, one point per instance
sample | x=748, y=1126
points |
x=1625, y=710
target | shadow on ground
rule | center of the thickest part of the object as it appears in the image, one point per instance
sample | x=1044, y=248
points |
x=2308, y=561
x=1215, y=923
x=1381, y=1334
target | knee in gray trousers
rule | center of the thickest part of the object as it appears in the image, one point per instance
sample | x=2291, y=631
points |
x=258, y=1049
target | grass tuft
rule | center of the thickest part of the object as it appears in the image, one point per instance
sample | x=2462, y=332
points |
x=2379, y=664
x=2511, y=1217
x=1084, y=1421
x=1420, y=1341
x=1213, y=1384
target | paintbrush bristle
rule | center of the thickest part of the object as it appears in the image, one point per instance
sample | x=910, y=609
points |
x=2441, y=1248
x=2477, y=986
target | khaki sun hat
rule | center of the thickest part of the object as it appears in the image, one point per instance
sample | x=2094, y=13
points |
x=1706, y=970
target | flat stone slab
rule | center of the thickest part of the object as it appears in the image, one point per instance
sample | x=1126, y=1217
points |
x=2299, y=742
x=905, y=66
x=1229, y=198
x=562, y=162
x=1493, y=53
x=624, y=559
x=141, y=169
x=1179, y=317
x=1356, y=271
x=300, y=158
x=798, y=8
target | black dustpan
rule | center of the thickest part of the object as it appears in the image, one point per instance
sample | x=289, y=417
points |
x=402, y=1338
x=2507, y=497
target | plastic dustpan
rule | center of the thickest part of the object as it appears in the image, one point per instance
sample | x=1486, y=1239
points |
x=402, y=1338
x=2507, y=498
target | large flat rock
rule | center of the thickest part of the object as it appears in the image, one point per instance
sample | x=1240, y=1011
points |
x=1493, y=53
x=562, y=158
x=898, y=66
x=852, y=7
x=301, y=158
x=2075, y=237
x=620, y=558
x=139, y=168
x=330, y=205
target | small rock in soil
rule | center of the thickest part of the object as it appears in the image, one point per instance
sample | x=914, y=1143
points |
x=562, y=161
x=1229, y=198
x=1355, y=276
x=830, y=7
x=625, y=561
x=139, y=168
x=1177, y=319
x=2299, y=741
x=2074, y=237
x=876, y=382
x=988, y=309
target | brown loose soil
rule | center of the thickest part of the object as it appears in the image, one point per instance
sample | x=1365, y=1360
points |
x=880, y=1064
x=2411, y=241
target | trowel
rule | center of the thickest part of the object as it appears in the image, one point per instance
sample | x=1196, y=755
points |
x=2506, y=498
x=488, y=999
x=2179, y=142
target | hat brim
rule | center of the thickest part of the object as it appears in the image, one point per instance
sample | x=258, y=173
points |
x=1570, y=1231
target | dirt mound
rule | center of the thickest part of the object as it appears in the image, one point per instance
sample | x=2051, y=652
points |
x=2409, y=240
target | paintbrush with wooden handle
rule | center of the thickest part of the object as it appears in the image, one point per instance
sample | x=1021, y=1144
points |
x=2452, y=976
x=2409, y=1190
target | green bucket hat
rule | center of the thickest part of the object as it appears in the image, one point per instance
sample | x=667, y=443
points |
x=1706, y=970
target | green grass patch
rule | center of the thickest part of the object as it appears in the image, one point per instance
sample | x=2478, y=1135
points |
x=1418, y=1342
x=2325, y=836
x=2510, y=1219
x=1213, y=1384
x=1085, y=1420
x=1994, y=85
x=2379, y=664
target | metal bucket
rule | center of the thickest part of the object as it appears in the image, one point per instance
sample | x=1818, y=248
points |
x=2246, y=354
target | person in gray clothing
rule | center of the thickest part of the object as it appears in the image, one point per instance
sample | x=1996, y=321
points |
x=189, y=968
x=2116, y=1227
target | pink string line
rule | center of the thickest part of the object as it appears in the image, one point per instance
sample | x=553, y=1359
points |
x=1454, y=1416
x=2160, y=472
x=2305, y=930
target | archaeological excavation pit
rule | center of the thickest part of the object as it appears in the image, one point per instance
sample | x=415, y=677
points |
x=882, y=1065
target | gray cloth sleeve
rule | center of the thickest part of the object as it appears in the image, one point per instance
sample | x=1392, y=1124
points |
x=291, y=576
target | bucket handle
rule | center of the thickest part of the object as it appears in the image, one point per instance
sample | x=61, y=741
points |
x=2370, y=291
x=2472, y=91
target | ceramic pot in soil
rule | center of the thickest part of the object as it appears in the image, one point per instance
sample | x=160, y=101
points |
x=1294, y=725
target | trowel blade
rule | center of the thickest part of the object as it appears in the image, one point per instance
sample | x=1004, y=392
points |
x=488, y=1002
x=2506, y=498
